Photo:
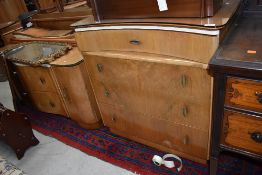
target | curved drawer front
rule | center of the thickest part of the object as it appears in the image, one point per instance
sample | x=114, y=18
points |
x=189, y=46
x=173, y=93
x=36, y=78
x=48, y=102
x=243, y=131
x=171, y=136
x=244, y=93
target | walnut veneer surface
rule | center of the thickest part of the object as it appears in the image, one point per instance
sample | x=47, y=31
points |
x=152, y=85
x=63, y=87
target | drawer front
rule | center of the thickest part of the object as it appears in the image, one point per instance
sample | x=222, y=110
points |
x=196, y=47
x=48, y=102
x=244, y=93
x=36, y=78
x=243, y=131
x=173, y=93
x=161, y=132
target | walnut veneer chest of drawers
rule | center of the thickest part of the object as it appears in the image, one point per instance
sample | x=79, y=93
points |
x=151, y=81
x=237, y=105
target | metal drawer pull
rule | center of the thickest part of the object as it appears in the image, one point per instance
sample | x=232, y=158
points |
x=100, y=67
x=185, y=111
x=135, y=42
x=114, y=118
x=52, y=104
x=256, y=136
x=42, y=80
x=106, y=93
x=184, y=80
x=185, y=140
x=259, y=97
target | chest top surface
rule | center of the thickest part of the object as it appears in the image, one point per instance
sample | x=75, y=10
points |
x=242, y=47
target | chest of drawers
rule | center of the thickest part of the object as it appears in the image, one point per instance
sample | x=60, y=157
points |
x=237, y=107
x=153, y=86
x=150, y=78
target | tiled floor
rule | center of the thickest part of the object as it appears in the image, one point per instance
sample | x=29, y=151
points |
x=52, y=157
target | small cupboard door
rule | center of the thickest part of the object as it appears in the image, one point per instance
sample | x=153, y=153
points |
x=77, y=93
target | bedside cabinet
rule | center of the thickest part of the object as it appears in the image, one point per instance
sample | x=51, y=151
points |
x=237, y=100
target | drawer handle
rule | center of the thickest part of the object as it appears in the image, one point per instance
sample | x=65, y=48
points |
x=52, y=104
x=42, y=80
x=184, y=80
x=185, y=140
x=100, y=67
x=135, y=42
x=107, y=93
x=259, y=97
x=114, y=118
x=256, y=136
x=185, y=111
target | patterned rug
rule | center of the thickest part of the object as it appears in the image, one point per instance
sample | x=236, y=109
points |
x=126, y=153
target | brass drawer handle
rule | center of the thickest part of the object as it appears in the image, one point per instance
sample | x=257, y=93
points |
x=100, y=67
x=259, y=97
x=51, y=104
x=184, y=80
x=42, y=80
x=114, y=118
x=185, y=111
x=256, y=136
x=135, y=42
x=185, y=140
x=107, y=93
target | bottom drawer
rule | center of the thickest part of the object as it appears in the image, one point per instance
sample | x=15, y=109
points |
x=176, y=137
x=242, y=131
x=48, y=102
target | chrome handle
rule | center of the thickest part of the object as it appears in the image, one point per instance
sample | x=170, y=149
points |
x=135, y=42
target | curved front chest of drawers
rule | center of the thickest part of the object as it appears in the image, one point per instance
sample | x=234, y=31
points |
x=63, y=88
x=152, y=84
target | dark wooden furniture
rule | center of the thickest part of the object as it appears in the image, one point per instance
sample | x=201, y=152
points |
x=237, y=100
x=115, y=9
x=16, y=131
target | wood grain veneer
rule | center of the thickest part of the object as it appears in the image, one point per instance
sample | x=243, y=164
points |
x=243, y=93
x=195, y=47
x=238, y=128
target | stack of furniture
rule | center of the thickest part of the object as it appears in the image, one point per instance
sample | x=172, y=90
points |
x=150, y=75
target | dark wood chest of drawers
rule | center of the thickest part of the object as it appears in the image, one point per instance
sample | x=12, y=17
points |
x=237, y=100
x=115, y=9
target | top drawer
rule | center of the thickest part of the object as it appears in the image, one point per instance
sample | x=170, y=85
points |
x=243, y=93
x=36, y=78
x=190, y=46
